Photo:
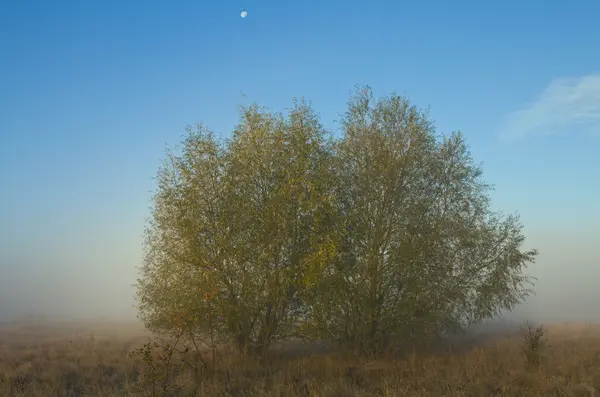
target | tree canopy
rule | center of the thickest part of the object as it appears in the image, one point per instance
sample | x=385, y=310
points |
x=380, y=234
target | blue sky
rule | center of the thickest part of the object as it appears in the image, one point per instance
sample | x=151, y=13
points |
x=92, y=91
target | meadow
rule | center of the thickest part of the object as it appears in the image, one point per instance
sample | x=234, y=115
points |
x=74, y=359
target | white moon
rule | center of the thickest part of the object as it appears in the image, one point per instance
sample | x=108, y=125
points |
x=244, y=14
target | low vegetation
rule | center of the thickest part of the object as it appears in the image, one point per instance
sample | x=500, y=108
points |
x=69, y=364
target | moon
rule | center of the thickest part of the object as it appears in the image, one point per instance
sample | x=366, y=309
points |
x=244, y=14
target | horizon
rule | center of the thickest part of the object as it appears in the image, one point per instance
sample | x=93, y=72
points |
x=93, y=92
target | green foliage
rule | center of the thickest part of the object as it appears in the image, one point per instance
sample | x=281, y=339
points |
x=382, y=235
x=420, y=251
x=239, y=229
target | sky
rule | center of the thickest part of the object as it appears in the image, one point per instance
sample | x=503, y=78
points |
x=92, y=92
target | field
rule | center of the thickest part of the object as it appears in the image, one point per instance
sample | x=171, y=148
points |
x=71, y=359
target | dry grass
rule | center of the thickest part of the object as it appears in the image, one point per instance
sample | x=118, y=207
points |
x=66, y=361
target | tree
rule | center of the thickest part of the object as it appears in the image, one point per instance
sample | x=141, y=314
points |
x=382, y=235
x=420, y=251
x=251, y=216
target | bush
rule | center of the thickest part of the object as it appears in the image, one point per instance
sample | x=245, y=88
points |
x=534, y=342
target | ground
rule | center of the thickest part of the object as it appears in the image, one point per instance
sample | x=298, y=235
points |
x=73, y=359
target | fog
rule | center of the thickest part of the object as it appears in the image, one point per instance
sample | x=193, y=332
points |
x=88, y=274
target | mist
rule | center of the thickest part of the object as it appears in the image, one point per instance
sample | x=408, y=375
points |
x=87, y=271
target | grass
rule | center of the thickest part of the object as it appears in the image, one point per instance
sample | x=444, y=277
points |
x=68, y=360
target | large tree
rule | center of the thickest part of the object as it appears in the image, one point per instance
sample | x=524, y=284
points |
x=241, y=225
x=420, y=251
x=381, y=235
